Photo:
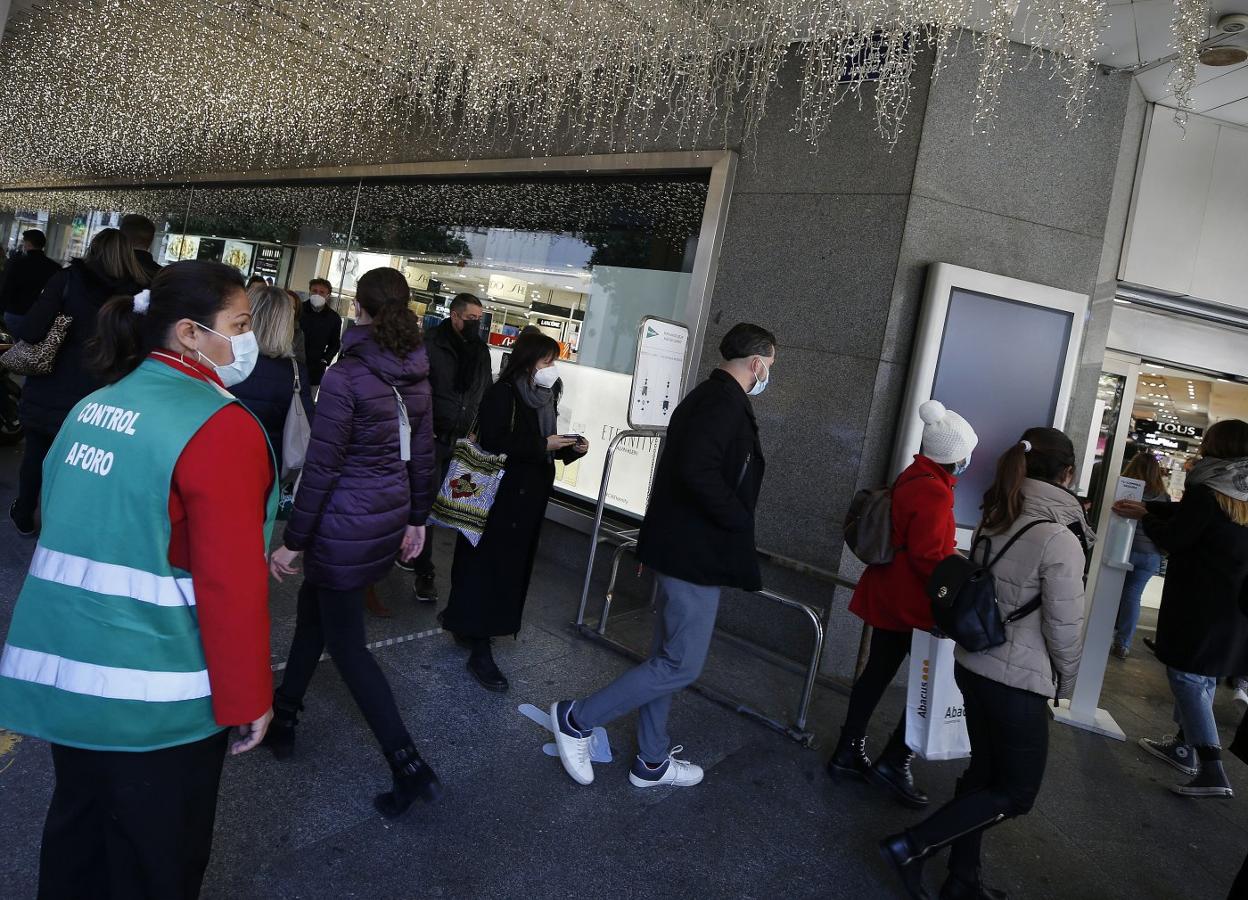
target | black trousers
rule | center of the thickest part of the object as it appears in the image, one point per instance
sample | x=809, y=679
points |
x=1009, y=732
x=334, y=620
x=30, y=475
x=131, y=825
x=888, y=651
x=424, y=559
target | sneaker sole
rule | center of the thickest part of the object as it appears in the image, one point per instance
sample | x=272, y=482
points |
x=1203, y=792
x=643, y=783
x=559, y=741
x=1157, y=754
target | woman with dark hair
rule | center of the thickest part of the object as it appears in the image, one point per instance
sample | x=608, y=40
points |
x=1202, y=632
x=1006, y=688
x=1145, y=557
x=366, y=491
x=139, y=641
x=79, y=291
x=489, y=582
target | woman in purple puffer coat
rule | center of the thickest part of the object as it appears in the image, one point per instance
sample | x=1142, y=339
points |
x=366, y=490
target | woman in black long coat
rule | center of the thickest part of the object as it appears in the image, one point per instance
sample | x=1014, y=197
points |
x=489, y=582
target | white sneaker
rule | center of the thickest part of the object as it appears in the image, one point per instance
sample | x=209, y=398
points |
x=674, y=772
x=573, y=745
x=1241, y=696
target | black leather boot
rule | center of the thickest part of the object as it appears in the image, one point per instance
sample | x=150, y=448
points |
x=849, y=759
x=893, y=771
x=900, y=852
x=280, y=738
x=958, y=888
x=413, y=780
x=482, y=667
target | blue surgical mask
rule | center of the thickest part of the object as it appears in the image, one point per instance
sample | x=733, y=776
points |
x=960, y=469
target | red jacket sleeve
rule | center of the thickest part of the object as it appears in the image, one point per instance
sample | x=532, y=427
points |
x=222, y=481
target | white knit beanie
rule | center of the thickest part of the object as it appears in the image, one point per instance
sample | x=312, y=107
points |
x=947, y=437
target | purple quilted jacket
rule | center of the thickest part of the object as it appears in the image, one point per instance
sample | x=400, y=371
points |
x=357, y=495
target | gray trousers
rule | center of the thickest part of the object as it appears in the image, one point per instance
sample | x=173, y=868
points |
x=682, y=637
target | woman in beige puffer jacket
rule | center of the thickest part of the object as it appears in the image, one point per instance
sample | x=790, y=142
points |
x=1006, y=688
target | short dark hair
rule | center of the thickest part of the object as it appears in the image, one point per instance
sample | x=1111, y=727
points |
x=35, y=238
x=1227, y=439
x=460, y=301
x=744, y=340
x=322, y=282
x=256, y=279
x=139, y=230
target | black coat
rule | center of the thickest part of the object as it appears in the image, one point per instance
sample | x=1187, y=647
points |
x=24, y=280
x=490, y=581
x=322, y=337
x=266, y=392
x=699, y=526
x=1202, y=627
x=454, y=411
x=78, y=291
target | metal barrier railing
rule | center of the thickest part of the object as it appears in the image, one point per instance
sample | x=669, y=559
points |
x=627, y=540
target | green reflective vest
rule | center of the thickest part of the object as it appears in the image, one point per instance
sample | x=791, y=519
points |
x=104, y=649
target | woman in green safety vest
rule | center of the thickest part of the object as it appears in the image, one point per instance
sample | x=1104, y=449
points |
x=141, y=634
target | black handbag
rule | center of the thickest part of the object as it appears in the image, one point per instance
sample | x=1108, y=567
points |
x=964, y=596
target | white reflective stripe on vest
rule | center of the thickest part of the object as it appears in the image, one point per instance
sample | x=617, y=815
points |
x=109, y=578
x=102, y=681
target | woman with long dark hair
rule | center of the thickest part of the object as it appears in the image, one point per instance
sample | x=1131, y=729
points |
x=518, y=416
x=142, y=635
x=109, y=268
x=1006, y=688
x=1145, y=557
x=1202, y=631
x=366, y=491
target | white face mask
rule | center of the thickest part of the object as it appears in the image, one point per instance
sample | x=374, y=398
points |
x=546, y=378
x=760, y=384
x=246, y=351
x=317, y=301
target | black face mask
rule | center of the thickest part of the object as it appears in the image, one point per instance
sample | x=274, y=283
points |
x=472, y=330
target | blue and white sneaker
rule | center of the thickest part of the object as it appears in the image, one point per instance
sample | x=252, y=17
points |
x=572, y=743
x=673, y=771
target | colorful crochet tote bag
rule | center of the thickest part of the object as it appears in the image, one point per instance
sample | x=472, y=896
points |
x=469, y=490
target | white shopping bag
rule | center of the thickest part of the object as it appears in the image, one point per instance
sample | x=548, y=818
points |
x=935, y=723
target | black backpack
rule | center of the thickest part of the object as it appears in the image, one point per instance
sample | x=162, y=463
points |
x=964, y=597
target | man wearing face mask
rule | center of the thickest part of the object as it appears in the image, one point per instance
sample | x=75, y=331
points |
x=697, y=538
x=459, y=373
x=322, y=329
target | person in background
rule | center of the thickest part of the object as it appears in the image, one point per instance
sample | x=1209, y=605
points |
x=256, y=280
x=267, y=391
x=25, y=277
x=459, y=373
x=300, y=342
x=1202, y=632
x=79, y=291
x=697, y=538
x=366, y=490
x=893, y=600
x=489, y=582
x=140, y=231
x=322, y=329
x=138, y=642
x=1145, y=557
x=1006, y=688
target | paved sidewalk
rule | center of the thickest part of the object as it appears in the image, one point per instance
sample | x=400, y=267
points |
x=766, y=823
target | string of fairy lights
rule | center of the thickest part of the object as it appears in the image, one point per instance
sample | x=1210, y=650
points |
x=157, y=88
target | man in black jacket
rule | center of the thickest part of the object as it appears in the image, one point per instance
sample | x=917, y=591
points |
x=24, y=279
x=697, y=538
x=322, y=329
x=459, y=373
x=140, y=231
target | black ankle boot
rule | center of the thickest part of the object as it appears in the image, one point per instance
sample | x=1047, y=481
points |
x=280, y=738
x=849, y=759
x=893, y=771
x=900, y=852
x=482, y=667
x=413, y=780
x=958, y=888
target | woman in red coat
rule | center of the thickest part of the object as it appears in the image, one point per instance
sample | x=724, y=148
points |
x=893, y=600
